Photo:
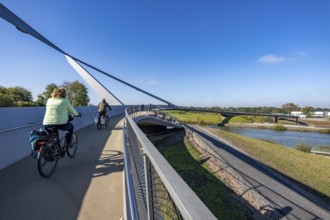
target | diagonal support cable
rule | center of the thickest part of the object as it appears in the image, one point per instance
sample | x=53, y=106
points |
x=126, y=83
x=22, y=26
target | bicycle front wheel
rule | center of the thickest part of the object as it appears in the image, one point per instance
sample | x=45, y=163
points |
x=72, y=149
x=47, y=161
x=106, y=123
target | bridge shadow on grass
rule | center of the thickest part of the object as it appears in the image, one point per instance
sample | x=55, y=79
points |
x=275, y=186
x=24, y=194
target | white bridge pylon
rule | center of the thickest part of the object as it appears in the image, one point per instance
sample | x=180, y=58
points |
x=100, y=89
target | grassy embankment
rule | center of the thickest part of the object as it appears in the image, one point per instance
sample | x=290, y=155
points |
x=309, y=169
x=187, y=161
x=263, y=122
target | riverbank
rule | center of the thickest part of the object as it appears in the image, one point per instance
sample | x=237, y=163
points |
x=311, y=171
x=286, y=165
x=288, y=126
x=308, y=174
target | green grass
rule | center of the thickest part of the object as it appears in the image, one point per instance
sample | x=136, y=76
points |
x=196, y=117
x=241, y=119
x=216, y=195
x=251, y=119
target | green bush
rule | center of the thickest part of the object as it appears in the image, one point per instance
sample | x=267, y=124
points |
x=327, y=131
x=304, y=148
x=279, y=128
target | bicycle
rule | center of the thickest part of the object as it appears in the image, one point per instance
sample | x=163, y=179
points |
x=104, y=121
x=50, y=150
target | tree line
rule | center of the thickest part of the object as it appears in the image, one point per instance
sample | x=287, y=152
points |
x=77, y=93
x=286, y=108
x=18, y=96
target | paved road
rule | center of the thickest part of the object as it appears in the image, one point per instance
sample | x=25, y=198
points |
x=87, y=187
x=283, y=196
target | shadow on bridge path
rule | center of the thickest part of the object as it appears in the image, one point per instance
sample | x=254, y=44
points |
x=89, y=186
x=285, y=196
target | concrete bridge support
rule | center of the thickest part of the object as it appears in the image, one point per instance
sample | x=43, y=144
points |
x=225, y=120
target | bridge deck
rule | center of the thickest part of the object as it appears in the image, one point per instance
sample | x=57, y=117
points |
x=90, y=186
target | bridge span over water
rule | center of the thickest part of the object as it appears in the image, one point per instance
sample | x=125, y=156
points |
x=228, y=115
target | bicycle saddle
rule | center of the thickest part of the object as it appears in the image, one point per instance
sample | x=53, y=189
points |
x=51, y=130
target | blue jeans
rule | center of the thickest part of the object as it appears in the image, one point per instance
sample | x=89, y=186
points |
x=65, y=127
x=100, y=115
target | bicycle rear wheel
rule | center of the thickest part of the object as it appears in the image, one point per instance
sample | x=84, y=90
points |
x=71, y=149
x=47, y=161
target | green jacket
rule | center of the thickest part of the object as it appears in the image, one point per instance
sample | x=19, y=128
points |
x=102, y=107
x=57, y=110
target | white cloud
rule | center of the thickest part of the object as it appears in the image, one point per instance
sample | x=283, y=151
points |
x=269, y=59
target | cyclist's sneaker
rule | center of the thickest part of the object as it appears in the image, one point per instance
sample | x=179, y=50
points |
x=69, y=145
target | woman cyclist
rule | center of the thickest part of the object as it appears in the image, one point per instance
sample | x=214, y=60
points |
x=57, y=110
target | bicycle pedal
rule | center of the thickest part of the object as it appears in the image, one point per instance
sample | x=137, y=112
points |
x=62, y=153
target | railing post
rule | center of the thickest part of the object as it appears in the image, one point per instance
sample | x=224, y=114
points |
x=148, y=186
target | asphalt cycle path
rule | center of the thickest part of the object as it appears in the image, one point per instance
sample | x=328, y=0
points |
x=285, y=198
x=87, y=187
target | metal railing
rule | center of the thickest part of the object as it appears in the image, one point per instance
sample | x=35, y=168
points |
x=153, y=189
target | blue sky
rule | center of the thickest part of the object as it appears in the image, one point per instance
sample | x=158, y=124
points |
x=188, y=52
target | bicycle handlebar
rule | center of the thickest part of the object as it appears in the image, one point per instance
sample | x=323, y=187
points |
x=71, y=117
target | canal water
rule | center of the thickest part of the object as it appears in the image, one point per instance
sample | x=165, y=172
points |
x=286, y=138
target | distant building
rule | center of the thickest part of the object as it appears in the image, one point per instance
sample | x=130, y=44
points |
x=318, y=114
x=296, y=113
x=299, y=114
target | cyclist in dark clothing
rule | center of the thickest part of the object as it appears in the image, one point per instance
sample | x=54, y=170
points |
x=102, y=109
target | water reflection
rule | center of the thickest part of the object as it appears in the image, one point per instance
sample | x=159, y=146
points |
x=286, y=138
